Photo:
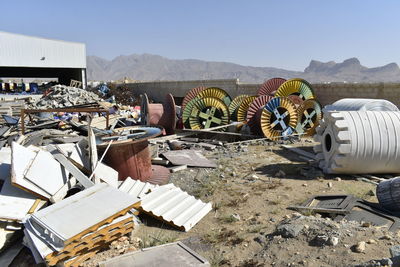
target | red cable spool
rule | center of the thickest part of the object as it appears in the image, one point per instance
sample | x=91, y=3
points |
x=160, y=175
x=159, y=114
x=190, y=95
x=254, y=113
x=270, y=86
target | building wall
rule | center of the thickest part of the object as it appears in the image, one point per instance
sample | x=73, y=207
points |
x=326, y=93
x=25, y=51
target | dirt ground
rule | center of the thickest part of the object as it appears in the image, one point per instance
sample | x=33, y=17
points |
x=250, y=191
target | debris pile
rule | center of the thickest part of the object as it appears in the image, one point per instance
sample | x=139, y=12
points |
x=61, y=96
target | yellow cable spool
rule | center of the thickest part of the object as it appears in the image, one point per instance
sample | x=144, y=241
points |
x=309, y=115
x=278, y=118
x=244, y=107
x=296, y=86
x=217, y=93
x=208, y=112
x=234, y=106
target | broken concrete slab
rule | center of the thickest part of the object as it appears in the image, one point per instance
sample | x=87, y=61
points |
x=191, y=158
x=159, y=256
x=92, y=207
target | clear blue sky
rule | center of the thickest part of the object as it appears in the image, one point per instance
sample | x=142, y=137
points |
x=281, y=33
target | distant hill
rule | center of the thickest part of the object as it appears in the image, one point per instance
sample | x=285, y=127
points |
x=147, y=67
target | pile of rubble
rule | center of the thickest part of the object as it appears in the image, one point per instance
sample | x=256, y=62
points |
x=61, y=96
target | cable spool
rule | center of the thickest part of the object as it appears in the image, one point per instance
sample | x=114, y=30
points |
x=359, y=142
x=187, y=111
x=208, y=112
x=297, y=100
x=234, y=106
x=296, y=86
x=361, y=104
x=269, y=87
x=244, y=107
x=309, y=114
x=254, y=113
x=191, y=94
x=278, y=118
x=217, y=93
x=159, y=114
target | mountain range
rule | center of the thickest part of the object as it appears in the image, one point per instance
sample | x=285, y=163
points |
x=147, y=67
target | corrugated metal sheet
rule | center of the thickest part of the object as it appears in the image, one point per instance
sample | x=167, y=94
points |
x=136, y=188
x=171, y=204
x=26, y=51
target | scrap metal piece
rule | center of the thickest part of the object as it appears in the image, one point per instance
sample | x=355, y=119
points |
x=234, y=106
x=172, y=205
x=309, y=116
x=217, y=93
x=159, y=175
x=296, y=86
x=160, y=255
x=191, y=94
x=244, y=107
x=278, y=118
x=191, y=158
x=254, y=113
x=269, y=87
x=208, y=112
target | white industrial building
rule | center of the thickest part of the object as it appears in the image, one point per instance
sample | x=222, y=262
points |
x=24, y=56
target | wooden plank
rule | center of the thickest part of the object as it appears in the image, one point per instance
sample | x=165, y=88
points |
x=68, y=165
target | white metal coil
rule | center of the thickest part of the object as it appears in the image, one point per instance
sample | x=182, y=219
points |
x=359, y=142
x=361, y=104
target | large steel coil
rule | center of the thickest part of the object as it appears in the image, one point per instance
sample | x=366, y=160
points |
x=278, y=118
x=191, y=94
x=269, y=87
x=244, y=107
x=359, y=142
x=254, y=113
x=361, y=104
x=217, y=93
x=309, y=115
x=208, y=112
x=234, y=106
x=296, y=86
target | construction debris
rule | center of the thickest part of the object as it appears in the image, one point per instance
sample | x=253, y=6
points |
x=174, y=206
x=183, y=256
x=60, y=96
x=188, y=157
